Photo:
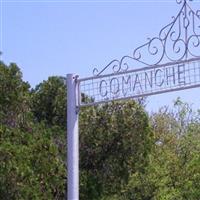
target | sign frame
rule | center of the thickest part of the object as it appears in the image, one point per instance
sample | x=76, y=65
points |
x=101, y=77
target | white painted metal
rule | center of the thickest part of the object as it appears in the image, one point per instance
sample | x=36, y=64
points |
x=72, y=140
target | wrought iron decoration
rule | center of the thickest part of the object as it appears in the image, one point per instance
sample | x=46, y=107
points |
x=177, y=41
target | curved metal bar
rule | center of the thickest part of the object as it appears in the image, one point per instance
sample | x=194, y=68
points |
x=177, y=41
x=96, y=71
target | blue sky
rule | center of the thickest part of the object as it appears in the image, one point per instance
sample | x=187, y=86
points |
x=58, y=37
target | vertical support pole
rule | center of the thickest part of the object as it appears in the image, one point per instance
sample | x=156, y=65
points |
x=72, y=140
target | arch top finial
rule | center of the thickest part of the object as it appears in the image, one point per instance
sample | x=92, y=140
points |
x=182, y=1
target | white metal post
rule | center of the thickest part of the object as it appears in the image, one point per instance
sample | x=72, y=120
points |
x=72, y=140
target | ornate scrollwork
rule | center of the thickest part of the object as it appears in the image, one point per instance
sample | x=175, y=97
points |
x=177, y=41
x=116, y=65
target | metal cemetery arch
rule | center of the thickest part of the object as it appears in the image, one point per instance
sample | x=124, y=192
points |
x=168, y=62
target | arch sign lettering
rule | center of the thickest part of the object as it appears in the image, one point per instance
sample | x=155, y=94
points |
x=168, y=62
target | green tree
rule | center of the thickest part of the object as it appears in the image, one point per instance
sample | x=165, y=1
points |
x=14, y=97
x=173, y=170
x=30, y=165
x=115, y=140
x=49, y=102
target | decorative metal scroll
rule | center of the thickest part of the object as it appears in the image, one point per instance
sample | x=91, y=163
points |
x=177, y=41
x=170, y=62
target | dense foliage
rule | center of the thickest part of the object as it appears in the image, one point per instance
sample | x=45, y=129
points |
x=114, y=143
x=124, y=153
